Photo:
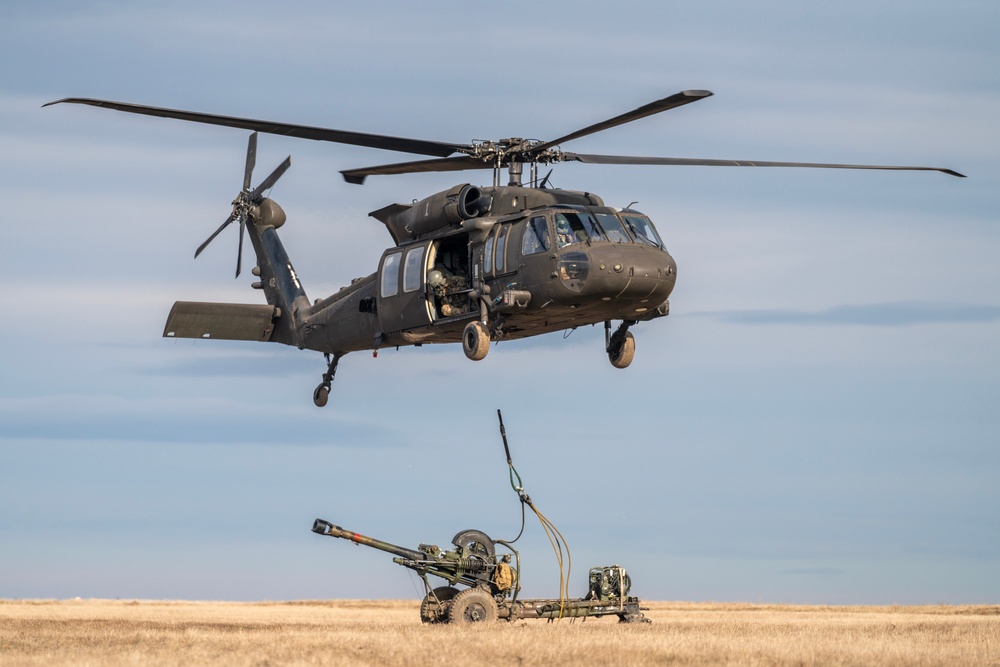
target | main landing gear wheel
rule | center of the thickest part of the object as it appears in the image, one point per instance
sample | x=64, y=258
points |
x=476, y=341
x=621, y=354
x=434, y=608
x=473, y=605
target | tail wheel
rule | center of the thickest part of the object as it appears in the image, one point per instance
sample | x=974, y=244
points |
x=476, y=341
x=621, y=355
x=434, y=608
x=321, y=395
x=473, y=605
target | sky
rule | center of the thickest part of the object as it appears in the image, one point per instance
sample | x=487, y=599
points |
x=815, y=422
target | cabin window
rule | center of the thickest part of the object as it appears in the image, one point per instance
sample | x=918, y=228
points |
x=413, y=270
x=612, y=227
x=390, y=275
x=642, y=229
x=536, y=237
x=488, y=256
x=501, y=250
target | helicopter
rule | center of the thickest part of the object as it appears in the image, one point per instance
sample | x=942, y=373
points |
x=470, y=264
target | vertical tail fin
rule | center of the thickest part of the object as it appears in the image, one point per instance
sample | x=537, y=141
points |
x=278, y=279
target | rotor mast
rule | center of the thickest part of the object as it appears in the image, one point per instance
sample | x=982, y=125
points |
x=514, y=171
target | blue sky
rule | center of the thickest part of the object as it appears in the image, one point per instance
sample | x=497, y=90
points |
x=815, y=422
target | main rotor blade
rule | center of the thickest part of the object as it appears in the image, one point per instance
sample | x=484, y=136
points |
x=631, y=159
x=401, y=144
x=461, y=163
x=251, y=160
x=671, y=102
x=214, y=234
x=269, y=182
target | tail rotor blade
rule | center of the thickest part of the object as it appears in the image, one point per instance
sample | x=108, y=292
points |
x=214, y=234
x=246, y=200
x=251, y=160
x=269, y=182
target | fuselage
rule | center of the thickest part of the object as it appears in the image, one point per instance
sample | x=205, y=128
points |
x=539, y=261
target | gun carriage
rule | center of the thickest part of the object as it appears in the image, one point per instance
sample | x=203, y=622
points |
x=483, y=586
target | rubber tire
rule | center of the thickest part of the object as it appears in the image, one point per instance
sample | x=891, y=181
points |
x=321, y=395
x=476, y=341
x=430, y=611
x=473, y=605
x=625, y=354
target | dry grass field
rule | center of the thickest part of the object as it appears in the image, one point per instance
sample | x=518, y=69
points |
x=349, y=632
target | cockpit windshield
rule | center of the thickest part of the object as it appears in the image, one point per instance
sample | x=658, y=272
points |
x=604, y=224
x=642, y=229
x=612, y=227
x=576, y=227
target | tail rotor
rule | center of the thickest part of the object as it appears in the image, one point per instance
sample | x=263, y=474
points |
x=247, y=200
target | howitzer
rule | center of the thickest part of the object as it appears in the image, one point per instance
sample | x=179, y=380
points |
x=473, y=561
x=493, y=583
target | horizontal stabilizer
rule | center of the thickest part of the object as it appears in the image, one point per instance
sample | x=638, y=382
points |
x=228, y=321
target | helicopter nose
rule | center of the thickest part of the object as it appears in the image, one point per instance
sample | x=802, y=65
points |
x=641, y=279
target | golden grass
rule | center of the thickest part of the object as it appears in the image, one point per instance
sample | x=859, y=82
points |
x=351, y=632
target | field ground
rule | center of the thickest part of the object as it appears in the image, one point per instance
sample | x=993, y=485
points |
x=353, y=632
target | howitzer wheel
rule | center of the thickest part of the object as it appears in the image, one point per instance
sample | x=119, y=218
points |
x=434, y=607
x=473, y=605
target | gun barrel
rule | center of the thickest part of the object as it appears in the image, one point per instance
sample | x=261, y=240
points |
x=322, y=527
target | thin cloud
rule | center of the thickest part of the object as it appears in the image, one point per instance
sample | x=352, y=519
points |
x=164, y=422
x=814, y=571
x=892, y=314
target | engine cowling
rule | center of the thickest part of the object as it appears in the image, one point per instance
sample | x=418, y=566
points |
x=450, y=207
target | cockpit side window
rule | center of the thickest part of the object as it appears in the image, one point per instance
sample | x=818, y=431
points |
x=612, y=228
x=536, y=237
x=642, y=229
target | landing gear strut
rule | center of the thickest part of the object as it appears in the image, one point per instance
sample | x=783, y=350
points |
x=620, y=345
x=322, y=392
